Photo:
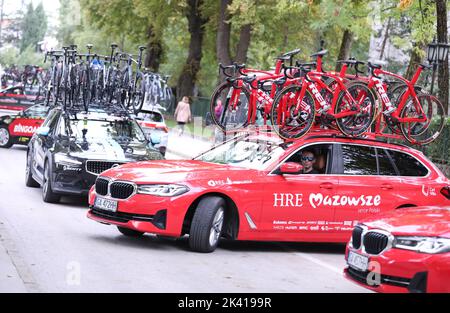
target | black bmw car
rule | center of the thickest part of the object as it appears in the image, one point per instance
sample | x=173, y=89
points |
x=69, y=151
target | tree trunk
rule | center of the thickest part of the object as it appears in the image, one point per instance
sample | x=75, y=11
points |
x=344, y=52
x=443, y=75
x=244, y=44
x=414, y=61
x=385, y=39
x=154, y=51
x=188, y=77
x=223, y=36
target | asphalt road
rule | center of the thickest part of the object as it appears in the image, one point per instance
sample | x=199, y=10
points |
x=55, y=248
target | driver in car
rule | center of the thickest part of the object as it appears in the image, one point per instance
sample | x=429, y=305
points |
x=308, y=160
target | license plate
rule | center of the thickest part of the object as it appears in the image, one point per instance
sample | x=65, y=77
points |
x=105, y=204
x=358, y=261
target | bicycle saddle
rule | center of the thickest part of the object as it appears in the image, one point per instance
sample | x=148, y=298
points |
x=291, y=53
x=426, y=66
x=320, y=53
x=376, y=64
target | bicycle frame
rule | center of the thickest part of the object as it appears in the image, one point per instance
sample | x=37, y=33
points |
x=376, y=82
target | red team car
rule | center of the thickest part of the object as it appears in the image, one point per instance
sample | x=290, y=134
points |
x=20, y=127
x=403, y=250
x=254, y=188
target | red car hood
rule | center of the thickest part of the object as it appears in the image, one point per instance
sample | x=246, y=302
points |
x=163, y=171
x=425, y=221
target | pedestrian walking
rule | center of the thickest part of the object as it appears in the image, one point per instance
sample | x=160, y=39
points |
x=183, y=114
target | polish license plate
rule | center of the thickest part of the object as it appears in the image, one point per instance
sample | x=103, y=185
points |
x=105, y=204
x=358, y=261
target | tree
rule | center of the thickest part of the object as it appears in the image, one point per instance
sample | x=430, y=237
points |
x=224, y=55
x=196, y=27
x=34, y=26
x=443, y=76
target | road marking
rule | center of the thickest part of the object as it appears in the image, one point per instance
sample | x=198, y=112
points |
x=18, y=261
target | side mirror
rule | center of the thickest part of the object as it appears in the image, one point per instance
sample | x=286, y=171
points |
x=155, y=139
x=291, y=168
x=43, y=131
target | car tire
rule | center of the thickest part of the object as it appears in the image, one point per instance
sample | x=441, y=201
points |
x=207, y=224
x=47, y=193
x=5, y=137
x=29, y=180
x=129, y=232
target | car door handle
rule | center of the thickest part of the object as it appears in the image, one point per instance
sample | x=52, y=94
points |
x=387, y=187
x=326, y=186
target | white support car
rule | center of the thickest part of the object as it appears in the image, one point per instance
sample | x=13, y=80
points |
x=153, y=124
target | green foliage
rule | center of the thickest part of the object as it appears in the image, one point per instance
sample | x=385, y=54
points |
x=277, y=26
x=34, y=26
x=12, y=55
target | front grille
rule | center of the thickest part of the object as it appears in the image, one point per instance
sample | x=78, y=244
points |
x=121, y=190
x=375, y=243
x=101, y=186
x=97, y=167
x=356, y=237
x=362, y=277
x=121, y=217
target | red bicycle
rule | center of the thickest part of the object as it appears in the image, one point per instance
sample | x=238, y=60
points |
x=350, y=104
x=416, y=115
x=236, y=102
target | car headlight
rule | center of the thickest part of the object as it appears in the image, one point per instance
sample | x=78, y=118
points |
x=431, y=245
x=163, y=190
x=64, y=159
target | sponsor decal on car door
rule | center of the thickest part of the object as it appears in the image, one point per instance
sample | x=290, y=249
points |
x=24, y=127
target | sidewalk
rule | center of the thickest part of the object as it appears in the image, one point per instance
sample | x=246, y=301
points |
x=10, y=280
x=187, y=146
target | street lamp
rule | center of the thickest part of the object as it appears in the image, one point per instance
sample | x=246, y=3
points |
x=437, y=53
x=431, y=52
x=442, y=52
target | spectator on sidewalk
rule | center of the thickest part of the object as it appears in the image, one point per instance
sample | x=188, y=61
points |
x=183, y=114
x=218, y=110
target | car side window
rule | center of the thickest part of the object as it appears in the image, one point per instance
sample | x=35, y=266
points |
x=359, y=160
x=385, y=164
x=407, y=165
x=321, y=153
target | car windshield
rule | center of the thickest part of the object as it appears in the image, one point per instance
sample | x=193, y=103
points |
x=122, y=131
x=246, y=152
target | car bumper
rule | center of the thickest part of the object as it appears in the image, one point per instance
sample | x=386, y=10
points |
x=73, y=182
x=144, y=213
x=402, y=271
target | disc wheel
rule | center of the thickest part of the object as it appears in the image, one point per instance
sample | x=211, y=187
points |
x=291, y=116
x=233, y=115
x=356, y=124
x=423, y=133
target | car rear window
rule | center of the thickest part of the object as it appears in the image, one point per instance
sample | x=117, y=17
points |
x=359, y=160
x=407, y=165
x=151, y=117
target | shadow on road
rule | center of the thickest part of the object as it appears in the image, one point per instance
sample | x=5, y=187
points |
x=153, y=242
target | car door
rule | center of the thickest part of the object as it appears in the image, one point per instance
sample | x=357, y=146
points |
x=362, y=191
x=296, y=206
x=41, y=144
x=418, y=186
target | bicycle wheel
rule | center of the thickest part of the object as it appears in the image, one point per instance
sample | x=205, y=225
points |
x=291, y=116
x=359, y=123
x=138, y=95
x=423, y=132
x=233, y=115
